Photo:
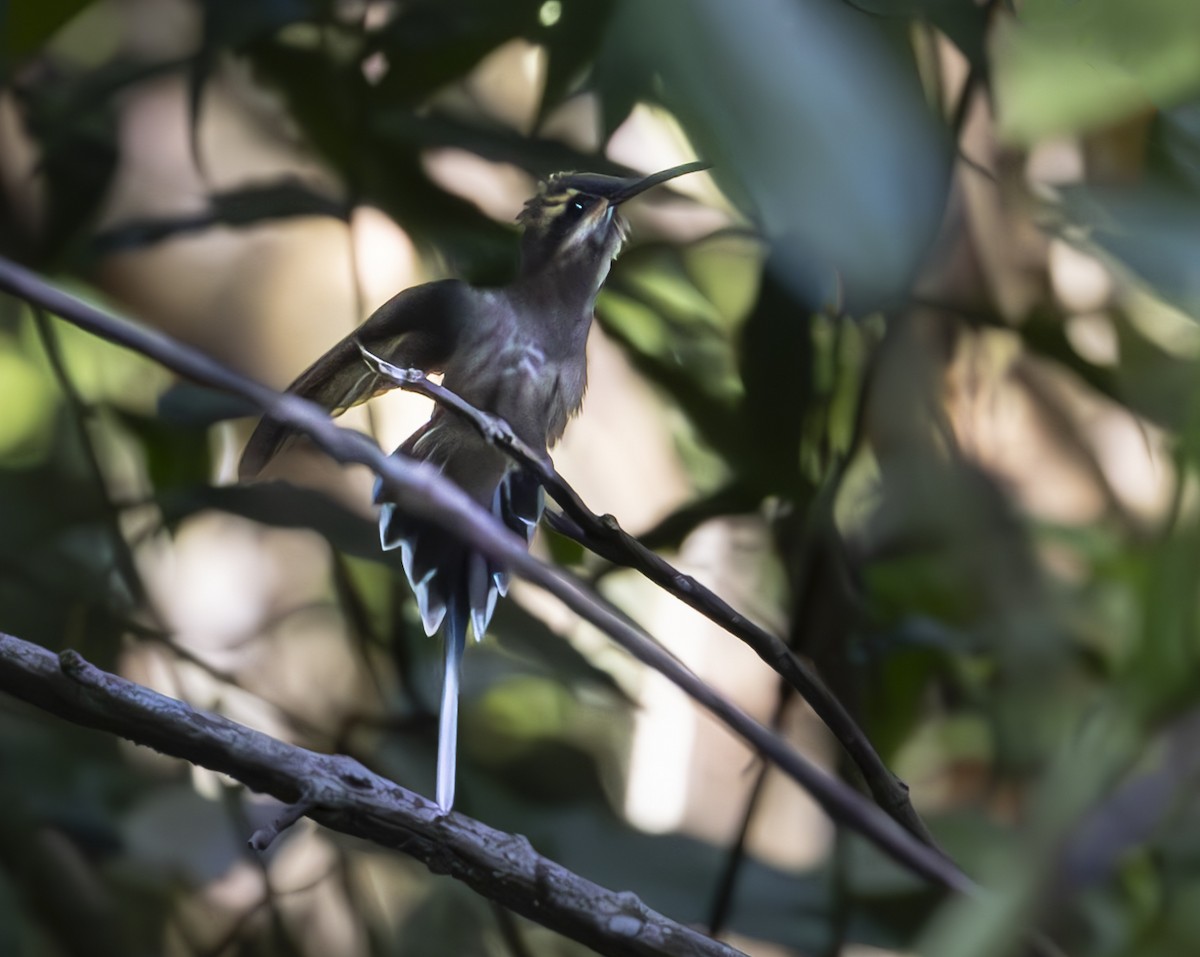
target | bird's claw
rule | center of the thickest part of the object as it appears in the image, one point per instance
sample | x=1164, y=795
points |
x=386, y=369
x=496, y=429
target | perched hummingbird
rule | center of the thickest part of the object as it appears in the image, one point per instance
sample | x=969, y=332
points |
x=518, y=352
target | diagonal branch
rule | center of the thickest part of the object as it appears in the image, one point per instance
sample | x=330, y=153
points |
x=419, y=488
x=341, y=794
x=604, y=536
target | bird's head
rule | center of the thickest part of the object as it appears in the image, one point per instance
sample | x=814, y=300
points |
x=573, y=222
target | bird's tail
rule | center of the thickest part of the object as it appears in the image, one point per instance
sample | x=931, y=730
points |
x=455, y=585
x=447, y=760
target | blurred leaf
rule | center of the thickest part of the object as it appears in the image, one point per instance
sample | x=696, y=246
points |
x=450, y=919
x=72, y=117
x=676, y=875
x=670, y=531
x=777, y=368
x=180, y=836
x=190, y=406
x=661, y=313
x=964, y=23
x=545, y=770
x=1174, y=147
x=283, y=505
x=545, y=652
x=673, y=336
x=63, y=789
x=563, y=550
x=79, y=150
x=1150, y=381
x=430, y=129
x=59, y=582
x=429, y=43
x=230, y=26
x=1152, y=229
x=238, y=207
x=175, y=456
x=29, y=401
x=571, y=43
x=846, y=179
x=25, y=25
x=900, y=666
x=1071, y=67
x=344, y=120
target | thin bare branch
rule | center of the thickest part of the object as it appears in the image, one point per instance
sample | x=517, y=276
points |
x=603, y=535
x=419, y=488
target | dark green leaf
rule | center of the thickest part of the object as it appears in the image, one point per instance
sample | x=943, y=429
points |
x=964, y=23
x=240, y=207
x=429, y=43
x=571, y=45
x=176, y=457
x=25, y=25
x=192, y=406
x=848, y=180
x=1070, y=67
x=670, y=532
x=283, y=505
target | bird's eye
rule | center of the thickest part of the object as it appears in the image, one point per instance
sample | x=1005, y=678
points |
x=578, y=205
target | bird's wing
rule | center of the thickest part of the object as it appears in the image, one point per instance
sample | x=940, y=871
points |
x=417, y=328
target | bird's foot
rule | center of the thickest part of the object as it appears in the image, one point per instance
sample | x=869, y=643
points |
x=496, y=430
x=387, y=370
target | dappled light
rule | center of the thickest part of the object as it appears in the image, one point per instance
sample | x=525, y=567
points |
x=862, y=618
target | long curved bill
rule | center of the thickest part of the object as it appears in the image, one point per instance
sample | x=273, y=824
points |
x=631, y=189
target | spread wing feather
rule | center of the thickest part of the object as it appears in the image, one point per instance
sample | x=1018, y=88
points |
x=415, y=329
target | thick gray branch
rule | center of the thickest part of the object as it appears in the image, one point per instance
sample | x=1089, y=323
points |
x=341, y=794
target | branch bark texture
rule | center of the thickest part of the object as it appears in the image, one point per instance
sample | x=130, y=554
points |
x=341, y=794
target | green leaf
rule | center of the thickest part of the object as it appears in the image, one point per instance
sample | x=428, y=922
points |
x=26, y=25
x=175, y=456
x=1071, y=67
x=847, y=179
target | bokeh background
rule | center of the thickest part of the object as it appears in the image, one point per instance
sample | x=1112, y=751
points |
x=909, y=378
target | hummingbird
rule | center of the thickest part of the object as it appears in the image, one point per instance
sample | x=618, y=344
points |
x=516, y=351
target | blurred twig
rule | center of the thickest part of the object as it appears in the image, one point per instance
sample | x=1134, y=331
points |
x=347, y=797
x=81, y=412
x=604, y=536
x=419, y=488
x=723, y=896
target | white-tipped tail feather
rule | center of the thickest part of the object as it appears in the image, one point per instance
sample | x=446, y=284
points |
x=447, y=760
x=456, y=588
